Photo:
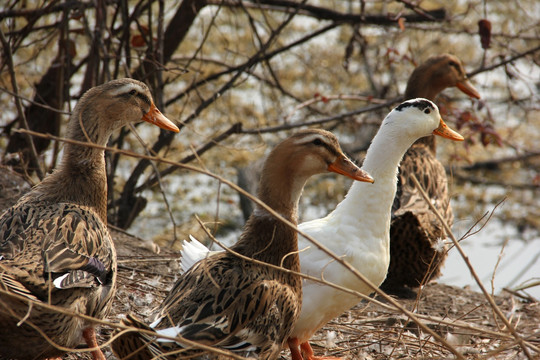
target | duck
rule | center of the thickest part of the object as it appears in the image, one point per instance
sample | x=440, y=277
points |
x=417, y=249
x=230, y=302
x=358, y=229
x=55, y=248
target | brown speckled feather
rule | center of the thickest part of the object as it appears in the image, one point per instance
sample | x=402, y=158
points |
x=235, y=304
x=415, y=228
x=238, y=302
x=72, y=240
x=65, y=237
x=230, y=303
x=54, y=244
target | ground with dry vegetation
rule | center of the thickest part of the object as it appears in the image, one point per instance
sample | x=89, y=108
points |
x=369, y=331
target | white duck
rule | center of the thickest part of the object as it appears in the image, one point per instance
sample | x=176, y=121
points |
x=233, y=303
x=415, y=229
x=358, y=229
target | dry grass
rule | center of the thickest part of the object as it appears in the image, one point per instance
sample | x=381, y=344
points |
x=466, y=322
x=371, y=330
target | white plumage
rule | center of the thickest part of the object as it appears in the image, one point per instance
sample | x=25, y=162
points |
x=358, y=229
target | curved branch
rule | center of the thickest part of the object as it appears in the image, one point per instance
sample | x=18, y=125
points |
x=24, y=124
x=322, y=13
x=504, y=62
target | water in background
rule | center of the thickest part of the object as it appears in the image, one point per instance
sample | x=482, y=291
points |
x=519, y=261
x=518, y=258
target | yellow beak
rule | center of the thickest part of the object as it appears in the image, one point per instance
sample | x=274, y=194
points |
x=444, y=131
x=154, y=116
x=468, y=88
x=342, y=165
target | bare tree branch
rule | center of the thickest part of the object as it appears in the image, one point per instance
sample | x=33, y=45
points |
x=322, y=13
x=8, y=56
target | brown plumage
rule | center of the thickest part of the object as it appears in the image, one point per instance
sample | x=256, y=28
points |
x=415, y=229
x=54, y=244
x=234, y=304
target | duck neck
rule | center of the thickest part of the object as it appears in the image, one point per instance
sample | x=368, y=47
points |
x=266, y=237
x=81, y=177
x=374, y=201
x=428, y=141
x=383, y=156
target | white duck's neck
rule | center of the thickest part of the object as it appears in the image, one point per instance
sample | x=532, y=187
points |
x=384, y=155
x=374, y=201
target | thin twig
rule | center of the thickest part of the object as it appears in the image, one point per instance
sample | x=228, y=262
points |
x=504, y=62
x=35, y=103
x=22, y=117
x=346, y=265
x=414, y=317
x=471, y=269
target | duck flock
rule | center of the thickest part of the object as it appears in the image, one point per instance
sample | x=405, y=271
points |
x=58, y=266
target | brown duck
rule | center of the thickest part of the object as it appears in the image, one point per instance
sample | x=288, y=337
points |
x=415, y=229
x=232, y=303
x=54, y=244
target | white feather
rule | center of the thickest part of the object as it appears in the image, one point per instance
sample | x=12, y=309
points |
x=58, y=281
x=357, y=230
x=169, y=332
x=192, y=252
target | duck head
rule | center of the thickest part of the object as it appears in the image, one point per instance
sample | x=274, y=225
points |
x=436, y=74
x=112, y=105
x=297, y=158
x=418, y=118
x=314, y=151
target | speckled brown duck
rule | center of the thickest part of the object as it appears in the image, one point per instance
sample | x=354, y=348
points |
x=54, y=244
x=357, y=230
x=232, y=303
x=415, y=229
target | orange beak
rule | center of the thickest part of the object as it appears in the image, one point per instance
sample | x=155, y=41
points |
x=342, y=165
x=468, y=88
x=444, y=131
x=155, y=117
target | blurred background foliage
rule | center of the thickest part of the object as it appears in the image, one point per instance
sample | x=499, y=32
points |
x=240, y=75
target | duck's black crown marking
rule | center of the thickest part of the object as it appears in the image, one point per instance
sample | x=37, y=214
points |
x=421, y=104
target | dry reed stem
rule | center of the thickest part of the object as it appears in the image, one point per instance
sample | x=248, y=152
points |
x=348, y=267
x=473, y=272
x=416, y=318
x=94, y=320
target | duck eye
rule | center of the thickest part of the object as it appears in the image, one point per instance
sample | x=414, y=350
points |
x=132, y=92
x=427, y=111
x=317, y=142
x=454, y=64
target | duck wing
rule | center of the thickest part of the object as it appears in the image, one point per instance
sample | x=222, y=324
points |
x=431, y=175
x=65, y=243
x=415, y=229
x=229, y=304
